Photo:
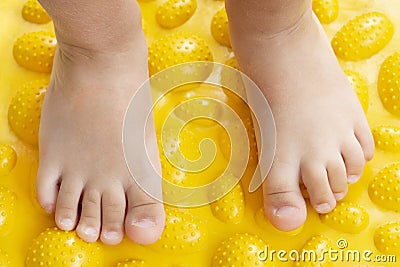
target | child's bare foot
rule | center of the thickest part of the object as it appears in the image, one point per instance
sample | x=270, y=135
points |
x=323, y=138
x=82, y=174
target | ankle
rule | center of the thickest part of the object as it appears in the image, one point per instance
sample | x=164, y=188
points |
x=115, y=31
x=267, y=18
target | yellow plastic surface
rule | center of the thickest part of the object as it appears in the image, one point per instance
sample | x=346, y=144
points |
x=230, y=231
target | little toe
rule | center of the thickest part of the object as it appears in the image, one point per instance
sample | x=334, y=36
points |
x=337, y=177
x=89, y=223
x=47, y=186
x=113, y=207
x=366, y=140
x=145, y=217
x=284, y=204
x=67, y=203
x=354, y=160
x=315, y=178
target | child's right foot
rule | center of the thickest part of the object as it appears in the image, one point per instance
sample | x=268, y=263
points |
x=323, y=138
x=81, y=156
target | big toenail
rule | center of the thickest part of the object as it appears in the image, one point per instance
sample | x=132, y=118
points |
x=111, y=235
x=339, y=196
x=352, y=179
x=67, y=223
x=286, y=211
x=323, y=208
x=90, y=231
x=144, y=223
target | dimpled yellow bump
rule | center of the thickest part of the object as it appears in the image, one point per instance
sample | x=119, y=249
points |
x=183, y=233
x=33, y=12
x=8, y=158
x=189, y=143
x=131, y=263
x=205, y=107
x=4, y=259
x=174, y=13
x=239, y=250
x=8, y=204
x=326, y=10
x=387, y=238
x=35, y=51
x=177, y=48
x=319, y=244
x=178, y=151
x=363, y=36
x=25, y=110
x=387, y=137
x=170, y=173
x=54, y=247
x=220, y=28
x=389, y=83
x=185, y=142
x=347, y=217
x=384, y=189
x=359, y=85
x=230, y=208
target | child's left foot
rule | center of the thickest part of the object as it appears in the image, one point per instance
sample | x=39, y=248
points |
x=323, y=138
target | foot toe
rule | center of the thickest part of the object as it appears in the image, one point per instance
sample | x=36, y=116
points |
x=67, y=203
x=337, y=177
x=365, y=139
x=283, y=201
x=113, y=206
x=47, y=186
x=354, y=160
x=315, y=178
x=89, y=223
x=145, y=217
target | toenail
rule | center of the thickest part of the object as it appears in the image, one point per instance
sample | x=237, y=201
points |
x=353, y=178
x=339, y=196
x=321, y=208
x=111, y=235
x=90, y=231
x=67, y=224
x=286, y=211
x=49, y=208
x=144, y=223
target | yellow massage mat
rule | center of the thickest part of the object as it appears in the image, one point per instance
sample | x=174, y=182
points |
x=364, y=228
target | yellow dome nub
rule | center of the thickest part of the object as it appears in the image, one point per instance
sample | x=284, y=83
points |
x=35, y=51
x=174, y=13
x=363, y=36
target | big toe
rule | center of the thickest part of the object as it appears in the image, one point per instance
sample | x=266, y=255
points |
x=145, y=217
x=284, y=204
x=47, y=186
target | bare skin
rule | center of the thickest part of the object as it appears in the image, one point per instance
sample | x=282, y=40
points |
x=81, y=158
x=323, y=138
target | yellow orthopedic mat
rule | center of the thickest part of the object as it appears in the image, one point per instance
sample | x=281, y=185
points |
x=363, y=230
